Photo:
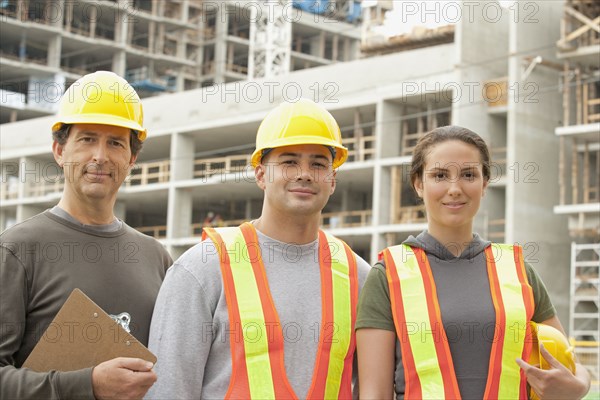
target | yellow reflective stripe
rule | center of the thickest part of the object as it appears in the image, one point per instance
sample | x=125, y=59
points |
x=252, y=318
x=514, y=331
x=418, y=324
x=342, y=315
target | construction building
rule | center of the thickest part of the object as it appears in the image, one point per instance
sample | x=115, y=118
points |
x=162, y=46
x=496, y=76
x=579, y=171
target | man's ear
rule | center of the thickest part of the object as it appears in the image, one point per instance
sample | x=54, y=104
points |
x=333, y=178
x=57, y=151
x=259, y=175
x=132, y=160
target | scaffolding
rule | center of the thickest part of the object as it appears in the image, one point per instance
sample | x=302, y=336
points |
x=270, y=41
x=585, y=303
x=579, y=171
x=580, y=25
x=414, y=128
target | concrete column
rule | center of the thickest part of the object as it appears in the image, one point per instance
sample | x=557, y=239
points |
x=334, y=52
x=317, y=45
x=347, y=50
x=180, y=80
x=123, y=23
x=388, y=130
x=68, y=10
x=56, y=13
x=248, y=212
x=354, y=49
x=119, y=28
x=185, y=5
x=221, y=44
x=93, y=21
x=182, y=45
x=381, y=186
x=346, y=198
x=182, y=157
x=120, y=210
x=179, y=208
x=179, y=213
x=119, y=63
x=378, y=243
x=151, y=36
x=27, y=172
x=54, y=50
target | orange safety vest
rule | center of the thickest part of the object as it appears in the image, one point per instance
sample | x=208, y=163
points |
x=428, y=367
x=258, y=369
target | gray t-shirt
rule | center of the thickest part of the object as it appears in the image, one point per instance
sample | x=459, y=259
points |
x=466, y=307
x=190, y=326
x=107, y=228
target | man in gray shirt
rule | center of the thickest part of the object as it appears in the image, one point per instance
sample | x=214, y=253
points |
x=81, y=244
x=277, y=281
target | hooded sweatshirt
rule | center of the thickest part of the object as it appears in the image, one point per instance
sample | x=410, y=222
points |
x=466, y=306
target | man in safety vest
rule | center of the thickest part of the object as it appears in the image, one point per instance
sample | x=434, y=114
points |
x=267, y=309
x=79, y=243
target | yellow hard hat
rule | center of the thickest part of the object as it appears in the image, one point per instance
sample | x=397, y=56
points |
x=555, y=343
x=302, y=122
x=102, y=97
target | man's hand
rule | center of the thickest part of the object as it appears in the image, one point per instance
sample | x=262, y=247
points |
x=557, y=382
x=122, y=378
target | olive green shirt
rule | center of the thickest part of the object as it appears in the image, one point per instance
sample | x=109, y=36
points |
x=466, y=306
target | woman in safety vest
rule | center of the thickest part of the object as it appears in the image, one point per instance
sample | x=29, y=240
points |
x=445, y=314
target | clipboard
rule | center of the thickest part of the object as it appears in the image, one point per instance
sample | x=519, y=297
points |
x=82, y=335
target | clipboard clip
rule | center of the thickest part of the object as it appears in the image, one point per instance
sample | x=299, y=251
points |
x=122, y=319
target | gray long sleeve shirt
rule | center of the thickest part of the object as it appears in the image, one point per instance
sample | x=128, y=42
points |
x=42, y=260
x=190, y=326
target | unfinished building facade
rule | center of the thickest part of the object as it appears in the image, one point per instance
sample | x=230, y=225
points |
x=579, y=171
x=158, y=46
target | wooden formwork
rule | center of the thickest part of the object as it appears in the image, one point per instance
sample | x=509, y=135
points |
x=331, y=220
x=581, y=106
x=414, y=128
x=207, y=167
x=157, y=232
x=150, y=172
x=584, y=170
x=360, y=149
x=581, y=94
x=409, y=212
x=498, y=163
x=44, y=187
x=346, y=219
x=579, y=24
x=198, y=227
x=361, y=145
